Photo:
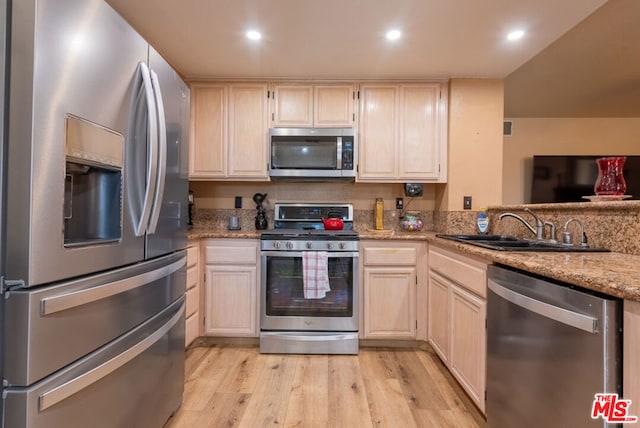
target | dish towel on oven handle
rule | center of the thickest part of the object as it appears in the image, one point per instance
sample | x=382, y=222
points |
x=315, y=274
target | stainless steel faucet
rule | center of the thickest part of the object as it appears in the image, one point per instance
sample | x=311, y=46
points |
x=540, y=225
x=566, y=235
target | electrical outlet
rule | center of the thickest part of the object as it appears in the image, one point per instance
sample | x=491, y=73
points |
x=466, y=202
x=399, y=203
x=238, y=202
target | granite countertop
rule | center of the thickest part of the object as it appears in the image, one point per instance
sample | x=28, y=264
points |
x=222, y=233
x=609, y=273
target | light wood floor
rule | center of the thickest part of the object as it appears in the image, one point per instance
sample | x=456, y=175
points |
x=236, y=386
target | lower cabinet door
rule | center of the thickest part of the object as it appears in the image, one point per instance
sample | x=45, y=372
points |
x=438, y=315
x=389, y=302
x=230, y=305
x=467, y=359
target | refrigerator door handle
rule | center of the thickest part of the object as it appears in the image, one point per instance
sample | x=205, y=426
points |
x=64, y=391
x=51, y=305
x=162, y=154
x=152, y=161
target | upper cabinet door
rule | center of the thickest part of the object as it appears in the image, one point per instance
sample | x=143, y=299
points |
x=334, y=106
x=207, y=154
x=418, y=145
x=292, y=106
x=403, y=135
x=378, y=134
x=309, y=106
x=248, y=131
x=229, y=128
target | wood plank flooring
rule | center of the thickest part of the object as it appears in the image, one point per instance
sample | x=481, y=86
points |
x=236, y=386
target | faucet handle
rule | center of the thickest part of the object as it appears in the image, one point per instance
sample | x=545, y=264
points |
x=552, y=228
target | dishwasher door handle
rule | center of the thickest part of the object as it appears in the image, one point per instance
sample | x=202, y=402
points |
x=564, y=316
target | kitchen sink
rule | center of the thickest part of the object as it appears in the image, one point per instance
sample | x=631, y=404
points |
x=513, y=243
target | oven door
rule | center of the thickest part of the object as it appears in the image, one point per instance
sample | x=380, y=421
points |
x=283, y=305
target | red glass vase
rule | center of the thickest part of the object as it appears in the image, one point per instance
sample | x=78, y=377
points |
x=610, y=179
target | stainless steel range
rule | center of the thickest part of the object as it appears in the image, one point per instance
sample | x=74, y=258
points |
x=309, y=282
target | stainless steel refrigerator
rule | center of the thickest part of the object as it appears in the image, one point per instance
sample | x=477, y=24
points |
x=95, y=127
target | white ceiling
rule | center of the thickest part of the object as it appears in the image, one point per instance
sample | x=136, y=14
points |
x=579, y=58
x=334, y=39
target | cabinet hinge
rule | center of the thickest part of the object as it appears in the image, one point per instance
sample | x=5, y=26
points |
x=416, y=325
x=273, y=116
x=438, y=167
x=354, y=117
x=268, y=94
x=354, y=95
x=358, y=94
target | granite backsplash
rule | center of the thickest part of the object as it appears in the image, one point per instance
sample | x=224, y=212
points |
x=613, y=225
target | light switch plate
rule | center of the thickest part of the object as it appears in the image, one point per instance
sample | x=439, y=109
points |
x=466, y=202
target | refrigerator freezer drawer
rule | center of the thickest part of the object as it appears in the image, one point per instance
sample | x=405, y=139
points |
x=48, y=328
x=136, y=380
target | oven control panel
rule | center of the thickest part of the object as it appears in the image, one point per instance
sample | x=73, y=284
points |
x=301, y=245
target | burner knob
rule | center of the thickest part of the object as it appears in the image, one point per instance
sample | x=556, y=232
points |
x=341, y=245
x=329, y=245
x=276, y=245
x=289, y=245
x=308, y=245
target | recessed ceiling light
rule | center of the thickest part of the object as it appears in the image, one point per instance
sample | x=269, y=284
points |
x=515, y=35
x=393, y=34
x=253, y=35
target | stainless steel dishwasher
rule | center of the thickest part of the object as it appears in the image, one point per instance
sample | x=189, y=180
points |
x=550, y=348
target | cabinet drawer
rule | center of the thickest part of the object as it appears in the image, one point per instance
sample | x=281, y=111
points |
x=191, y=329
x=192, y=277
x=467, y=272
x=192, y=255
x=223, y=255
x=192, y=302
x=390, y=256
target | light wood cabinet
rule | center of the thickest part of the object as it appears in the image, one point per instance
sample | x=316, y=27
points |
x=192, y=294
x=403, y=132
x=229, y=128
x=231, y=287
x=438, y=315
x=467, y=358
x=313, y=105
x=390, y=289
x=456, y=311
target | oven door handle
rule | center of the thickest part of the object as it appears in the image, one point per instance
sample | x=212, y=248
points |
x=336, y=255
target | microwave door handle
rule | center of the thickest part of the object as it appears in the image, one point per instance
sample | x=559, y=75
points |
x=339, y=154
x=152, y=159
x=162, y=154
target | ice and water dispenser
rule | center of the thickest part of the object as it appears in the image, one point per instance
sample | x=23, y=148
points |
x=93, y=183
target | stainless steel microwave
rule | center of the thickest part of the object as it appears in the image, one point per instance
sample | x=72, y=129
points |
x=312, y=153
